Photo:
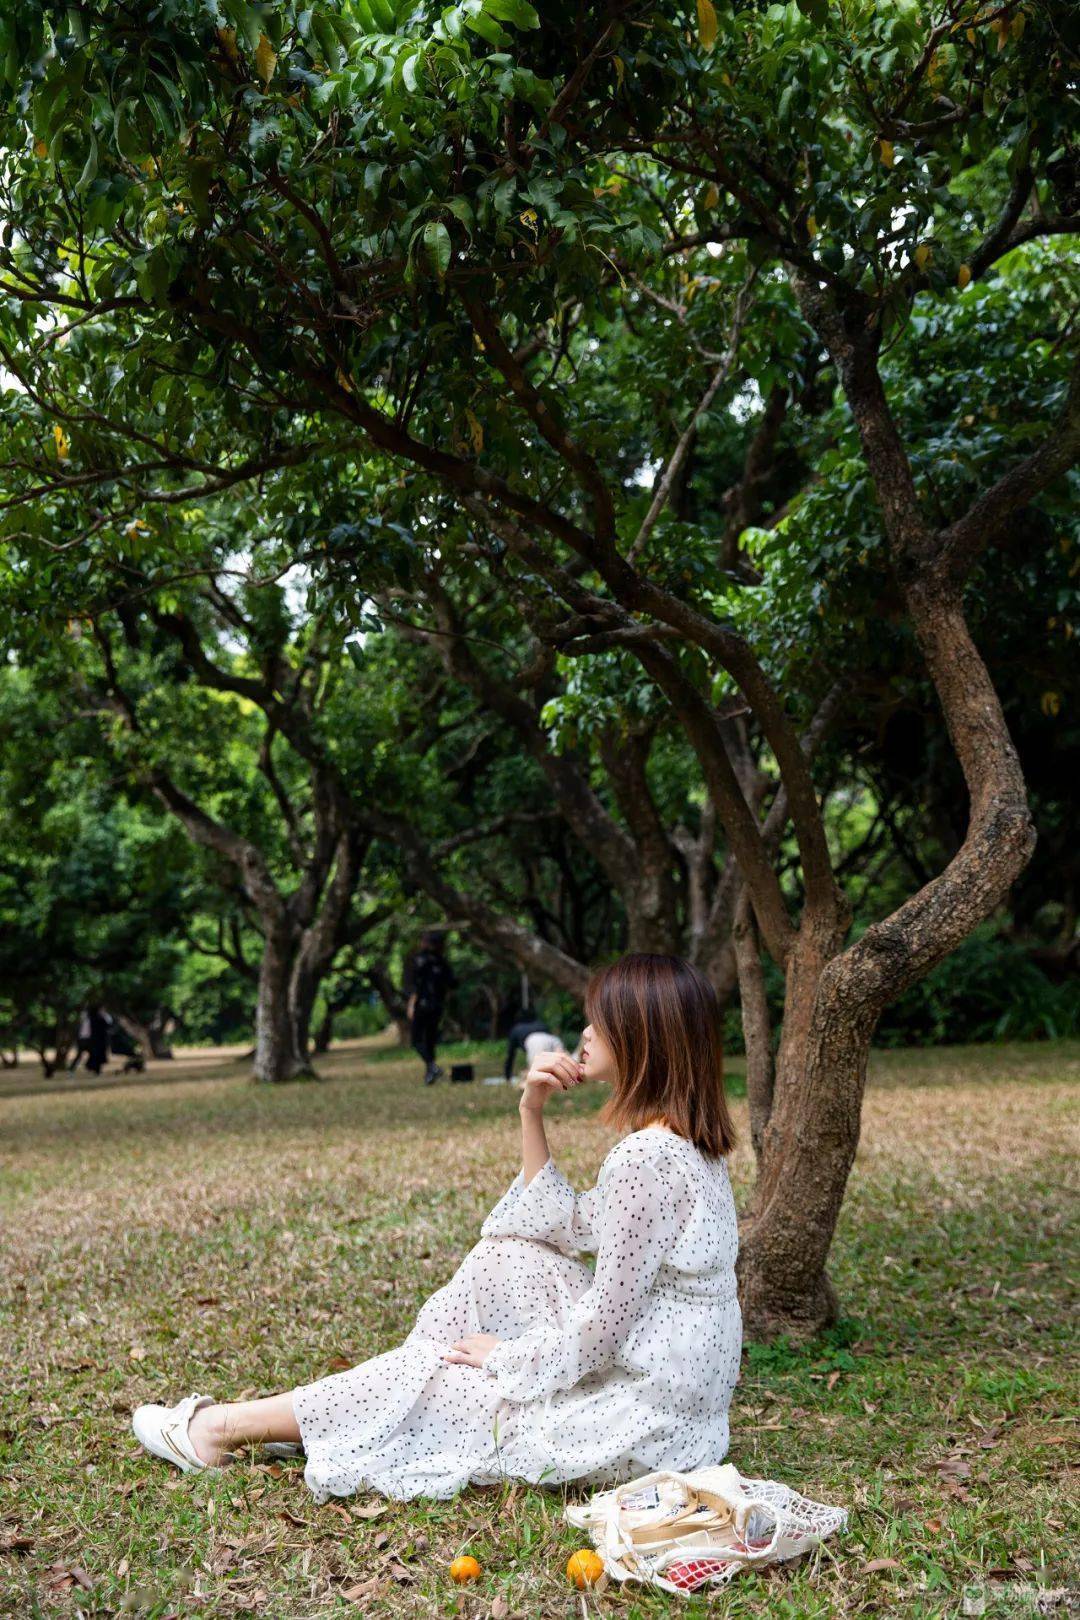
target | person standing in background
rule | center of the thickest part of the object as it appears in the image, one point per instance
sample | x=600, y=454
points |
x=82, y=1041
x=98, y=1044
x=531, y=1035
x=428, y=978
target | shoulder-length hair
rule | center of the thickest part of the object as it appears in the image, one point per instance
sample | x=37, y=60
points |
x=661, y=1018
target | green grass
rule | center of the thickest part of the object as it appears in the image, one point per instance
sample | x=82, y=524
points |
x=186, y=1229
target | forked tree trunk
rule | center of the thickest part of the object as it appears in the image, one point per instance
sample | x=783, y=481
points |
x=835, y=997
x=277, y=1055
x=304, y=984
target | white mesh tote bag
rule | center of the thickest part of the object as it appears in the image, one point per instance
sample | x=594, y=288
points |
x=682, y=1531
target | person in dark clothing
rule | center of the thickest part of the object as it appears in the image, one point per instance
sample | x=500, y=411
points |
x=82, y=1041
x=97, y=1053
x=428, y=978
x=529, y=1024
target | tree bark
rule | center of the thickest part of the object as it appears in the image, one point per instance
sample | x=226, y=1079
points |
x=325, y=1033
x=278, y=1056
x=757, y=1036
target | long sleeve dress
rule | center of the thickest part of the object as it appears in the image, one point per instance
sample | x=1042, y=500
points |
x=600, y=1375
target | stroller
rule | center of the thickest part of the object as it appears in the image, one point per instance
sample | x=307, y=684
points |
x=121, y=1044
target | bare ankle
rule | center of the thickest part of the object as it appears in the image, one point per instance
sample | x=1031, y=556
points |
x=206, y=1431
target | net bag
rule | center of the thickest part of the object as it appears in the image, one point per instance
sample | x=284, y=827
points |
x=683, y=1531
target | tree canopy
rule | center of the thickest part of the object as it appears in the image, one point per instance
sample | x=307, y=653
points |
x=688, y=398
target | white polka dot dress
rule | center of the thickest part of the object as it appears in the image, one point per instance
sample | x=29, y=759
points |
x=600, y=1375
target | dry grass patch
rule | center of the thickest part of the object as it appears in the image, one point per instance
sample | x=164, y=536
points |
x=188, y=1230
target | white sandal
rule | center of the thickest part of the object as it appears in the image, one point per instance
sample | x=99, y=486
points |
x=163, y=1430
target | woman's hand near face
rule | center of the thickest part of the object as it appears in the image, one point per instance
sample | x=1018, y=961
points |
x=551, y=1072
x=473, y=1350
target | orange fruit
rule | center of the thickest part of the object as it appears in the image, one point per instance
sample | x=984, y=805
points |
x=584, y=1568
x=465, y=1569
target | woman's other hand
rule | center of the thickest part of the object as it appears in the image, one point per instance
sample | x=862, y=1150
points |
x=473, y=1350
x=552, y=1071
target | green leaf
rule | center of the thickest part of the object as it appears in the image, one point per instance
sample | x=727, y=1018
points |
x=517, y=12
x=480, y=23
x=329, y=44
x=461, y=208
x=383, y=13
x=200, y=172
x=125, y=132
x=437, y=246
x=91, y=166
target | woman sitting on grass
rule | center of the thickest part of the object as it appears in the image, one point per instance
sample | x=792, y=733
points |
x=527, y=1364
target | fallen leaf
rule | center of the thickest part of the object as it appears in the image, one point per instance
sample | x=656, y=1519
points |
x=499, y=1609
x=373, y=1510
x=934, y=1526
x=402, y=1575
x=363, y=1589
x=832, y=1380
x=122, y=1567
x=137, y=1352
x=876, y=1564
x=339, y=1364
x=954, y=1467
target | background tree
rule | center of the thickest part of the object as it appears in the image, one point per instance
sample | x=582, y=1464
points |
x=92, y=888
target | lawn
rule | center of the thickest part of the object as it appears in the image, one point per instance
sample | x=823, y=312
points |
x=188, y=1230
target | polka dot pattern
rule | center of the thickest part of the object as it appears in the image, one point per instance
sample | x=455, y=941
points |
x=601, y=1374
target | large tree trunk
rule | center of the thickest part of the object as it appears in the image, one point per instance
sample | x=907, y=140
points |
x=807, y=1149
x=324, y=936
x=277, y=1054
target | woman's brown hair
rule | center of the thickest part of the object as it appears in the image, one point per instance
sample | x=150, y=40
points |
x=661, y=1018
